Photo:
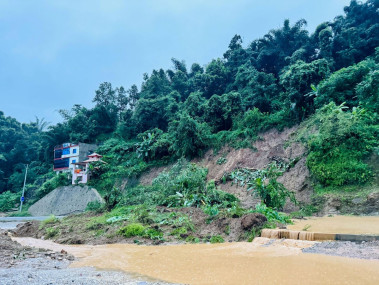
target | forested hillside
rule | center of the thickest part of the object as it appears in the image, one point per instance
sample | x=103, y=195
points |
x=327, y=79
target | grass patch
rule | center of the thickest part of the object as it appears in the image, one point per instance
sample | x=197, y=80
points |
x=24, y=213
x=49, y=221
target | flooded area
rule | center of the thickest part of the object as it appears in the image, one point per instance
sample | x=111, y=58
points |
x=263, y=261
x=367, y=225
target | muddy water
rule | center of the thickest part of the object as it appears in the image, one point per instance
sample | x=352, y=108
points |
x=263, y=261
x=339, y=225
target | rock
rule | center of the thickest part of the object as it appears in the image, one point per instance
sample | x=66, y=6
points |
x=253, y=220
x=357, y=201
x=373, y=198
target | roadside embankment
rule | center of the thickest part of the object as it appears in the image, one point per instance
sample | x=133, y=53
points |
x=65, y=200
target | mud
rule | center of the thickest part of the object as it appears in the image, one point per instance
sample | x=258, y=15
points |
x=263, y=261
x=367, y=225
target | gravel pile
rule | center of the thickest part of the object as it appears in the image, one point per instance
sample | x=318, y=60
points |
x=364, y=250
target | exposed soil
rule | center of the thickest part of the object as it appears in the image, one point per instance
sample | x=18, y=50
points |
x=272, y=145
x=148, y=177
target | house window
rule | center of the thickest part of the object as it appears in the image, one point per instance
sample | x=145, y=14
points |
x=74, y=150
x=73, y=161
x=65, y=151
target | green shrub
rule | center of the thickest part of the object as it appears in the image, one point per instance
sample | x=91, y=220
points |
x=51, y=232
x=132, y=230
x=95, y=206
x=62, y=179
x=190, y=138
x=179, y=231
x=216, y=239
x=192, y=239
x=272, y=215
x=153, y=234
x=8, y=201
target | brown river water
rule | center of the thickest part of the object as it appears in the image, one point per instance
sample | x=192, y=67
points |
x=262, y=261
x=368, y=225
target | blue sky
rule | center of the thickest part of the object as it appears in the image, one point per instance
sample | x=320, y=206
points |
x=54, y=54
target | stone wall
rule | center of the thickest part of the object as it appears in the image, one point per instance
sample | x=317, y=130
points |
x=65, y=200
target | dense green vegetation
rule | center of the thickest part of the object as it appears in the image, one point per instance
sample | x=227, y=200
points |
x=327, y=79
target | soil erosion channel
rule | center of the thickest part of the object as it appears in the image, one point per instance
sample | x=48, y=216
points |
x=262, y=261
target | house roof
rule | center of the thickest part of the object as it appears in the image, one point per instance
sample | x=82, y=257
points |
x=94, y=155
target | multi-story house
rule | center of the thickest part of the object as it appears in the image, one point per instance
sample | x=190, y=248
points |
x=68, y=153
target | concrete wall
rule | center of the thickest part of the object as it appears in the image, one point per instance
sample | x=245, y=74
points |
x=64, y=201
x=85, y=149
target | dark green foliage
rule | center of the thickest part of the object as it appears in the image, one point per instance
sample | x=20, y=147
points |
x=8, y=201
x=51, y=184
x=112, y=197
x=343, y=140
x=271, y=51
x=154, y=113
x=297, y=80
x=257, y=89
x=95, y=206
x=189, y=137
x=220, y=110
x=342, y=85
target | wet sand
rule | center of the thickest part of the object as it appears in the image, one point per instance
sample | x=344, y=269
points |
x=368, y=225
x=263, y=261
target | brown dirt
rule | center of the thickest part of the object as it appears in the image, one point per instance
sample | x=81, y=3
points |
x=253, y=220
x=271, y=145
x=246, y=198
x=28, y=229
x=148, y=177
